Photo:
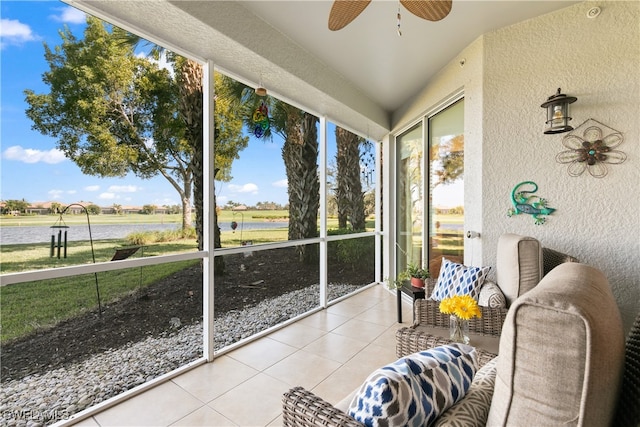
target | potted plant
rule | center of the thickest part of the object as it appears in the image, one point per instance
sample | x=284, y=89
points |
x=417, y=275
x=413, y=273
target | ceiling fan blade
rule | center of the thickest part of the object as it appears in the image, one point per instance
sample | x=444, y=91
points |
x=431, y=10
x=345, y=11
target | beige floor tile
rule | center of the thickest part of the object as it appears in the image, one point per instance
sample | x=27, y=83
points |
x=256, y=402
x=204, y=417
x=380, y=317
x=352, y=374
x=336, y=347
x=87, y=422
x=388, y=338
x=368, y=360
x=276, y=423
x=339, y=384
x=366, y=299
x=361, y=330
x=208, y=381
x=262, y=353
x=159, y=406
x=346, y=308
x=303, y=369
x=324, y=320
x=297, y=335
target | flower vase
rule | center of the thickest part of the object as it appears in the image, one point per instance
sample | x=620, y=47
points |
x=458, y=329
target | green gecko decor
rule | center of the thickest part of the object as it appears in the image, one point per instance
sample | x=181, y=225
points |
x=524, y=202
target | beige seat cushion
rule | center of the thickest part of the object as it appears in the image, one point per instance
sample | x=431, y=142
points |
x=519, y=265
x=561, y=353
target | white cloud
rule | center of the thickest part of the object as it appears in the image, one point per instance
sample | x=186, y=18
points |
x=107, y=196
x=29, y=155
x=70, y=15
x=14, y=32
x=246, y=188
x=55, y=194
x=283, y=183
x=71, y=192
x=123, y=189
x=92, y=188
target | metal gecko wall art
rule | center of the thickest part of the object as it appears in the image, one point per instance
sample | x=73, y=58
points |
x=525, y=202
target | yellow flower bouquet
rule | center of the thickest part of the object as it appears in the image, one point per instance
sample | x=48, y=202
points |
x=461, y=308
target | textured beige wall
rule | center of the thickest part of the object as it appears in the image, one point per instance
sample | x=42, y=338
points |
x=508, y=73
x=598, y=61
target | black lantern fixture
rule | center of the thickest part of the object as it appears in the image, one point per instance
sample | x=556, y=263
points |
x=558, y=113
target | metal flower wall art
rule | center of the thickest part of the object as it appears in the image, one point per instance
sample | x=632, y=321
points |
x=591, y=151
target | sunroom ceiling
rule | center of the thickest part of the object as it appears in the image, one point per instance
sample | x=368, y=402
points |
x=356, y=76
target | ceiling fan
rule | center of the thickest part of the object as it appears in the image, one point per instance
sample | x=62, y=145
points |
x=345, y=11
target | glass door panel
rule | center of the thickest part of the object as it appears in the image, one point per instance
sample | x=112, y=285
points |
x=409, y=197
x=446, y=186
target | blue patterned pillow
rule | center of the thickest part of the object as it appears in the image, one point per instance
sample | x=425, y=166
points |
x=416, y=389
x=458, y=279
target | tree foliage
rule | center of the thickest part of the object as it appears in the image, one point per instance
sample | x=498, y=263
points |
x=15, y=206
x=93, y=209
x=112, y=112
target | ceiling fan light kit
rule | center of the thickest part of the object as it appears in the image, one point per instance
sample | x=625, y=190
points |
x=343, y=12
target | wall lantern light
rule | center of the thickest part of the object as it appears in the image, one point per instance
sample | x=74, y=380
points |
x=558, y=113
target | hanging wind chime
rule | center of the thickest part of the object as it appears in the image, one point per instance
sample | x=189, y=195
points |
x=60, y=225
x=56, y=245
x=261, y=120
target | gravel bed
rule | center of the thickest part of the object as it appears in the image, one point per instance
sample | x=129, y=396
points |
x=40, y=400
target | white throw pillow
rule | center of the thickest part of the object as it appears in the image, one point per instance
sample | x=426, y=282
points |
x=416, y=389
x=458, y=279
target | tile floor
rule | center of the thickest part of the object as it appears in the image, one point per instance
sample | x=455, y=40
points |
x=329, y=353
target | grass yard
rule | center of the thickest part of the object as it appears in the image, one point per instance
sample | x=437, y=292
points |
x=30, y=306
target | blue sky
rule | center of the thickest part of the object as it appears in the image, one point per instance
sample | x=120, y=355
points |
x=33, y=169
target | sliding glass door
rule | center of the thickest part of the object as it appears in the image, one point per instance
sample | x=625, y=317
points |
x=430, y=190
x=446, y=186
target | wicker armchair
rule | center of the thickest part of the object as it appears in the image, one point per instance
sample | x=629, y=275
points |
x=301, y=407
x=427, y=312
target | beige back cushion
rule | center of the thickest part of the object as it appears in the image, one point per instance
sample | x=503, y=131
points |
x=561, y=353
x=519, y=265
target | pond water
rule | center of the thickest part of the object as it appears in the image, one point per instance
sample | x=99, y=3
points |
x=41, y=234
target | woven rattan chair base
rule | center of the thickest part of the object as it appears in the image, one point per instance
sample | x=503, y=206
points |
x=302, y=408
x=427, y=313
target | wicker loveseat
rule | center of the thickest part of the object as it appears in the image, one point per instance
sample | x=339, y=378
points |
x=568, y=330
x=521, y=263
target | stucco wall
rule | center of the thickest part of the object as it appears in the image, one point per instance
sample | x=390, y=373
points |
x=596, y=60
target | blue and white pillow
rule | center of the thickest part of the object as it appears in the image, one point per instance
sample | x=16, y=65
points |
x=458, y=279
x=416, y=389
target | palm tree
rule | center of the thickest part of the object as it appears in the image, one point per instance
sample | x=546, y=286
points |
x=300, y=155
x=299, y=131
x=349, y=195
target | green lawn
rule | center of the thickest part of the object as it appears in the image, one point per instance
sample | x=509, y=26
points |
x=26, y=307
